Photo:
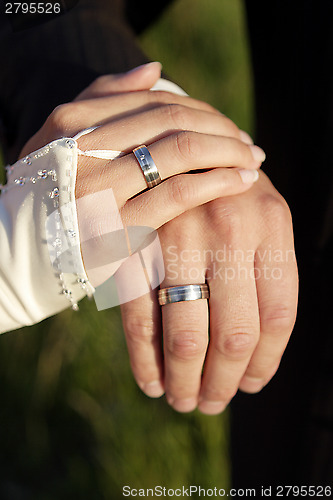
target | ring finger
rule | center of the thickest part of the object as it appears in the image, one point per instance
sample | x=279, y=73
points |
x=173, y=155
x=185, y=333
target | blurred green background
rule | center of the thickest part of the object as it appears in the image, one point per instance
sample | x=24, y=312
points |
x=73, y=424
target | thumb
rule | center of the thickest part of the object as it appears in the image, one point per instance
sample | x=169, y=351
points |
x=140, y=78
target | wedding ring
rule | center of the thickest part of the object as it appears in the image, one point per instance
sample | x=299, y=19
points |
x=182, y=293
x=147, y=166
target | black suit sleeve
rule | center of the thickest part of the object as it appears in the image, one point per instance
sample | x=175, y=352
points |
x=47, y=61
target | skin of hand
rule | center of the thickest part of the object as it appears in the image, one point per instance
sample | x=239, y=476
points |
x=242, y=246
x=228, y=241
x=190, y=132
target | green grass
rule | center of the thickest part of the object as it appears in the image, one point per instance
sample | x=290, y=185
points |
x=73, y=424
x=203, y=47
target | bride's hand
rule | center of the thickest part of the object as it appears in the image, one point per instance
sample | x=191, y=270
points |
x=182, y=134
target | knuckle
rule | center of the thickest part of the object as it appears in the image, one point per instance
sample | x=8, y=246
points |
x=236, y=346
x=186, y=345
x=227, y=220
x=62, y=116
x=139, y=330
x=278, y=319
x=160, y=96
x=233, y=130
x=181, y=190
x=188, y=146
x=178, y=115
x=275, y=209
x=209, y=108
x=261, y=372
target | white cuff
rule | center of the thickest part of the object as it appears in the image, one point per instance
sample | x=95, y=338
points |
x=40, y=189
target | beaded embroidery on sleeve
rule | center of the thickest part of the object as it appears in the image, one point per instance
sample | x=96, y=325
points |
x=39, y=186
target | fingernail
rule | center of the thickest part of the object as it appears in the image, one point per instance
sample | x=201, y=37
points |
x=248, y=176
x=183, y=405
x=153, y=389
x=211, y=407
x=147, y=65
x=245, y=137
x=257, y=153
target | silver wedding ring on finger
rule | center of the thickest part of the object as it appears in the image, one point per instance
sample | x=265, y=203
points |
x=147, y=166
x=182, y=293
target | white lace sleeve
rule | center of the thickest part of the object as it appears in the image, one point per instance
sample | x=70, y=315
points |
x=38, y=222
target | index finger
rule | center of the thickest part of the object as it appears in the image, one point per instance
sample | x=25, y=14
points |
x=97, y=111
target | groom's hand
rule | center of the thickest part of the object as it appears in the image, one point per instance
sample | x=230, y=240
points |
x=242, y=246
